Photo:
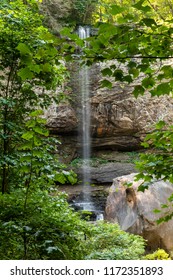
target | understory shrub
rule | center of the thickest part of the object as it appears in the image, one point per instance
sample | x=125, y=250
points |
x=112, y=243
x=48, y=228
x=160, y=254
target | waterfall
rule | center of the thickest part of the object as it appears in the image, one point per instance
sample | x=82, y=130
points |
x=83, y=32
x=84, y=85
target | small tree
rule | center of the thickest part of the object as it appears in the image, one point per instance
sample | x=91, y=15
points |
x=30, y=71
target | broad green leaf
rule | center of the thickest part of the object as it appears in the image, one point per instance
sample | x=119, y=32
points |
x=149, y=22
x=25, y=169
x=36, y=113
x=26, y=158
x=73, y=180
x=37, y=141
x=134, y=72
x=139, y=6
x=118, y=74
x=168, y=71
x=47, y=67
x=38, y=153
x=138, y=90
x=35, y=68
x=25, y=74
x=164, y=206
x=170, y=198
x=61, y=178
x=143, y=187
x=106, y=83
x=148, y=82
x=163, y=88
x=156, y=211
x=116, y=9
x=28, y=135
x=160, y=125
x=41, y=131
x=107, y=72
x=26, y=146
x=128, y=78
x=23, y=48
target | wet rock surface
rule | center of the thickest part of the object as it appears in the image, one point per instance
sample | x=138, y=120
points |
x=106, y=172
x=97, y=196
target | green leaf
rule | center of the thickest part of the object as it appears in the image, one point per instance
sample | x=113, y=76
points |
x=139, y=6
x=156, y=211
x=134, y=72
x=28, y=135
x=47, y=67
x=25, y=169
x=23, y=48
x=139, y=90
x=148, y=82
x=168, y=71
x=26, y=158
x=41, y=131
x=37, y=141
x=160, y=125
x=107, y=72
x=26, y=146
x=25, y=73
x=72, y=179
x=116, y=9
x=38, y=153
x=164, y=206
x=149, y=22
x=35, y=68
x=143, y=187
x=106, y=83
x=61, y=178
x=163, y=88
x=36, y=113
x=118, y=74
x=170, y=198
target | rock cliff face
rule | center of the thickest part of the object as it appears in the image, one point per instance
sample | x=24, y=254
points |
x=119, y=121
x=56, y=13
x=133, y=210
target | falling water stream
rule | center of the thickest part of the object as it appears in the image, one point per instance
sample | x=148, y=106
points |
x=84, y=85
x=84, y=130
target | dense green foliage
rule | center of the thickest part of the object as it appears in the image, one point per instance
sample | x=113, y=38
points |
x=160, y=254
x=137, y=41
x=82, y=11
x=156, y=164
x=30, y=69
x=125, y=246
x=50, y=229
x=36, y=222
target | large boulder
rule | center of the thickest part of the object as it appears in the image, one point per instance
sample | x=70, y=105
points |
x=133, y=210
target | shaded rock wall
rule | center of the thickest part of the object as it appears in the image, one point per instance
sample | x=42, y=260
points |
x=119, y=121
x=56, y=13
